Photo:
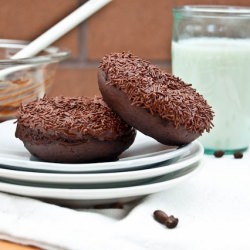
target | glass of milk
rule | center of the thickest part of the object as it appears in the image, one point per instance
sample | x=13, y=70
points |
x=211, y=50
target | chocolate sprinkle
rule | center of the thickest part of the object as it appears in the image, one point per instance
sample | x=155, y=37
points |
x=157, y=91
x=72, y=117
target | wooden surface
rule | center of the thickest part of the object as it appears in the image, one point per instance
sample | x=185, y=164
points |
x=6, y=245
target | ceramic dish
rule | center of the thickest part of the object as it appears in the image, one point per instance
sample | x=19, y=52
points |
x=144, y=152
x=87, y=197
x=195, y=154
x=96, y=185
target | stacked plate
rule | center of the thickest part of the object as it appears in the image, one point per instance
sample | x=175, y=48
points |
x=145, y=168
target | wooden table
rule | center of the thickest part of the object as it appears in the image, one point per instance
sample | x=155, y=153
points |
x=6, y=245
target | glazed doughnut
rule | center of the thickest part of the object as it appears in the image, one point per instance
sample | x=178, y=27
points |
x=72, y=130
x=156, y=103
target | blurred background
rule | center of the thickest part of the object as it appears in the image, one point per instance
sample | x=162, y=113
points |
x=141, y=26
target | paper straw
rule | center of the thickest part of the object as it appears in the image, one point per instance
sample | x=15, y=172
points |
x=61, y=28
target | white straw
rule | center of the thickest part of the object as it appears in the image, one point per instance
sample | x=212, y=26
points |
x=61, y=28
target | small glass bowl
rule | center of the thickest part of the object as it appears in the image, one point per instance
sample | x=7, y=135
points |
x=24, y=80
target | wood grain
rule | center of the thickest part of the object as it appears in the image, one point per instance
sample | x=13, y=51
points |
x=6, y=245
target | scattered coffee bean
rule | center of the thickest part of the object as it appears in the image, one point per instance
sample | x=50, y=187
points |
x=238, y=155
x=163, y=218
x=171, y=222
x=218, y=153
x=160, y=216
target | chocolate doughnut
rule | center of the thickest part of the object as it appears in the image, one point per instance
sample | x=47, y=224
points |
x=72, y=130
x=156, y=103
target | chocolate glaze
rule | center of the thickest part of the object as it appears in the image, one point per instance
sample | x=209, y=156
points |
x=87, y=150
x=72, y=118
x=64, y=129
x=160, y=93
x=160, y=129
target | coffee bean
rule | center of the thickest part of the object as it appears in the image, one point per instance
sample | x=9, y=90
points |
x=163, y=218
x=218, y=153
x=171, y=222
x=160, y=216
x=238, y=155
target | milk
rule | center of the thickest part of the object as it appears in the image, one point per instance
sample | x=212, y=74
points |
x=219, y=68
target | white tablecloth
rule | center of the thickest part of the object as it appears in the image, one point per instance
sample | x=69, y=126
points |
x=213, y=208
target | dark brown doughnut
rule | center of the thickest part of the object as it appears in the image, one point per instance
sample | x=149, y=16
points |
x=73, y=130
x=156, y=103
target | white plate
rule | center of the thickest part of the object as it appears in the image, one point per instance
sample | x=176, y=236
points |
x=144, y=151
x=195, y=154
x=107, y=185
x=87, y=197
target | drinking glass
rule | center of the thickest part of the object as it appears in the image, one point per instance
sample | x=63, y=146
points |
x=211, y=50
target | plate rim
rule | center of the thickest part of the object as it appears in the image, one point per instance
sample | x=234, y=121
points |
x=92, y=167
x=96, y=194
x=89, y=178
